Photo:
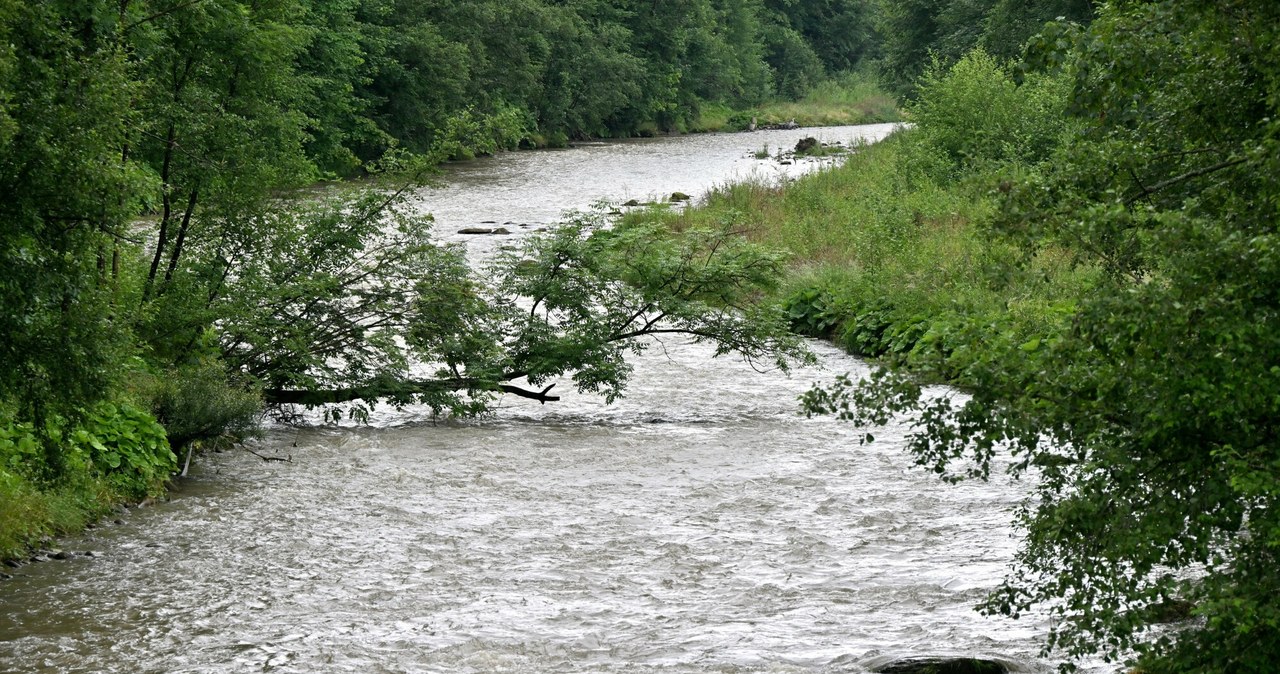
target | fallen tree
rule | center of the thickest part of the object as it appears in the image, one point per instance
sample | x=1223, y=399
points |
x=352, y=302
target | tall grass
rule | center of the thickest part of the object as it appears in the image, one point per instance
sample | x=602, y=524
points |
x=30, y=515
x=891, y=257
x=851, y=98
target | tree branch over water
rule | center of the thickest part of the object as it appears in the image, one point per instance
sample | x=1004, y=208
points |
x=324, y=324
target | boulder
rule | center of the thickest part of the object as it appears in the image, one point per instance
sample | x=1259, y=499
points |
x=631, y=203
x=807, y=145
x=677, y=197
x=941, y=665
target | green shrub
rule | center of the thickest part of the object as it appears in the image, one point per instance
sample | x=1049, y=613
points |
x=127, y=446
x=813, y=311
x=974, y=112
x=20, y=449
x=201, y=401
x=470, y=134
x=116, y=453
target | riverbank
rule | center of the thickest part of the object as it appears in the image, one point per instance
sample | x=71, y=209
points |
x=117, y=454
x=845, y=101
x=849, y=100
x=891, y=261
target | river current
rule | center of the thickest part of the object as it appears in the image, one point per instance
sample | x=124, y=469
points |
x=701, y=524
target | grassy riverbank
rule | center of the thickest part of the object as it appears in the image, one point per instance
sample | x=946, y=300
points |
x=846, y=100
x=30, y=516
x=116, y=453
x=892, y=263
x=893, y=256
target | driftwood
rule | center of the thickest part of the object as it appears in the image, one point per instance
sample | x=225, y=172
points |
x=288, y=459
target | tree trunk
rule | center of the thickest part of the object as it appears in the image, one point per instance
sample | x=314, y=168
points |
x=373, y=392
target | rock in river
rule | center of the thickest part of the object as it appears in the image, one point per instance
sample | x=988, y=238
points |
x=941, y=665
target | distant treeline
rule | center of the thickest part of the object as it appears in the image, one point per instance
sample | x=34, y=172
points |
x=350, y=79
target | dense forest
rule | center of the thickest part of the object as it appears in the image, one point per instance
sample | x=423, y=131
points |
x=1079, y=230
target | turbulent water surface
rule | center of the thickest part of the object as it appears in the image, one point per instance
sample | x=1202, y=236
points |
x=699, y=525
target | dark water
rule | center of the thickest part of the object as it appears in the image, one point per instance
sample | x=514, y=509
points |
x=699, y=525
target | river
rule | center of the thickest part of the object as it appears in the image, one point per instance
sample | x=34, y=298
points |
x=701, y=524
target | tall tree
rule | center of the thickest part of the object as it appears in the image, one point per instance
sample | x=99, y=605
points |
x=221, y=127
x=65, y=93
x=842, y=33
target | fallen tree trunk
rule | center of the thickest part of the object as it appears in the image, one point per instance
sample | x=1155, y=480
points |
x=404, y=389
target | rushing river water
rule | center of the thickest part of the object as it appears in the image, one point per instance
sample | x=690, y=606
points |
x=699, y=525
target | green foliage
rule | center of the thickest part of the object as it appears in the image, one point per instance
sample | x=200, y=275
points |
x=468, y=134
x=795, y=65
x=311, y=294
x=115, y=441
x=126, y=446
x=31, y=512
x=594, y=294
x=919, y=34
x=974, y=113
x=20, y=448
x=1010, y=24
x=813, y=312
x=1142, y=403
x=116, y=452
x=842, y=33
x=201, y=401
x=64, y=100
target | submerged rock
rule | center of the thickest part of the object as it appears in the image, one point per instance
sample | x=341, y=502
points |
x=679, y=196
x=476, y=230
x=942, y=665
x=631, y=202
